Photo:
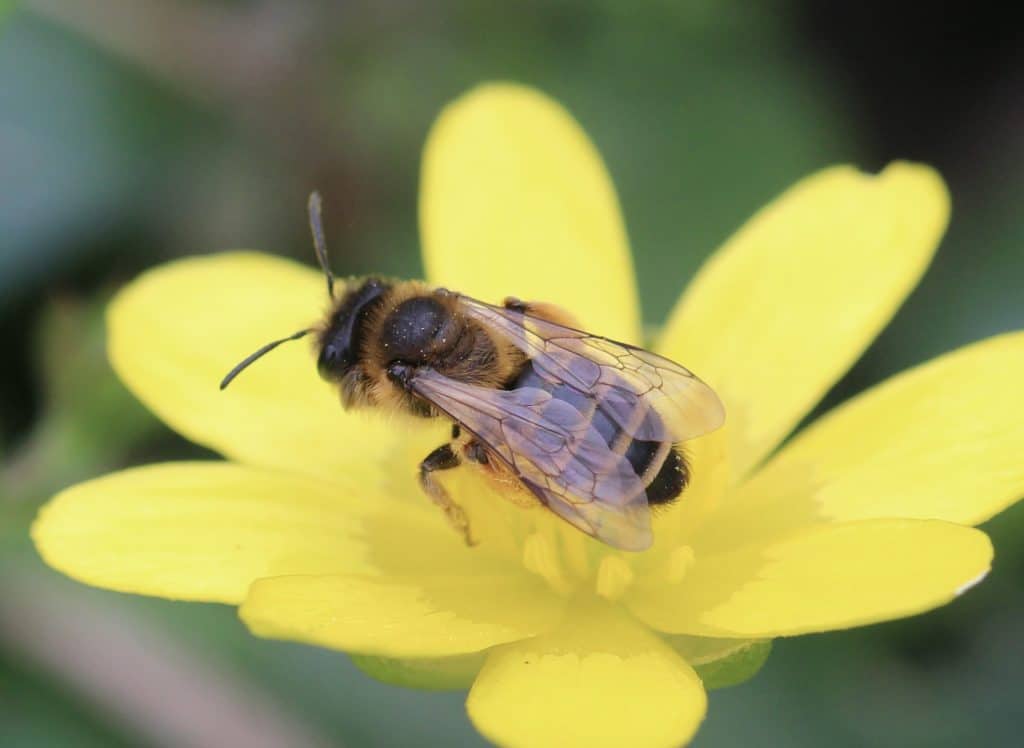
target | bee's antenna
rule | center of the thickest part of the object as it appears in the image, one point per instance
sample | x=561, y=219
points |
x=261, y=352
x=316, y=225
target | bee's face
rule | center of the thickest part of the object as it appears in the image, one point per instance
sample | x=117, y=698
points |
x=338, y=365
x=341, y=342
x=335, y=361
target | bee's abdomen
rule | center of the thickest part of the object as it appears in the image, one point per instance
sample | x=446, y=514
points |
x=661, y=466
x=669, y=480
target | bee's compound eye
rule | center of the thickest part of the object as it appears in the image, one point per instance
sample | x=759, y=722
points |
x=332, y=362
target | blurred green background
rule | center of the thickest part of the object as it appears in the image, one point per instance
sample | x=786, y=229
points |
x=135, y=131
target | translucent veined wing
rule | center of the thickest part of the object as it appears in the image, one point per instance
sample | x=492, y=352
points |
x=626, y=381
x=555, y=451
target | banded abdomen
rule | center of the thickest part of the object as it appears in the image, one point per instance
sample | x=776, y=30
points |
x=659, y=465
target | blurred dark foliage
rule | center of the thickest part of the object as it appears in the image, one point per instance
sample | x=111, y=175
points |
x=135, y=132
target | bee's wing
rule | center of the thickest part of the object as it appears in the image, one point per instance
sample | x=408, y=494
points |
x=617, y=375
x=555, y=451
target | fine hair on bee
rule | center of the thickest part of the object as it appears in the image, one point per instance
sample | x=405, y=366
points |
x=588, y=427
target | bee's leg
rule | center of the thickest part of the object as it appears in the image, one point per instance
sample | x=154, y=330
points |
x=516, y=304
x=444, y=458
x=475, y=452
x=541, y=310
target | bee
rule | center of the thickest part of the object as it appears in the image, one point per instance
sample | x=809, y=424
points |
x=588, y=427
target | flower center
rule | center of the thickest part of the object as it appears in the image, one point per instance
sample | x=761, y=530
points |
x=570, y=562
x=541, y=557
x=614, y=575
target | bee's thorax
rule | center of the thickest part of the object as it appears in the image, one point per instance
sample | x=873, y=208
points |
x=380, y=334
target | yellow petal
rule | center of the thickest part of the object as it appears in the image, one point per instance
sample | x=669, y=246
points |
x=402, y=616
x=942, y=441
x=515, y=200
x=205, y=531
x=792, y=300
x=197, y=531
x=598, y=680
x=825, y=577
x=177, y=330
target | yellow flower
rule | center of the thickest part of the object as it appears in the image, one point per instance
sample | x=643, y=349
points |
x=315, y=527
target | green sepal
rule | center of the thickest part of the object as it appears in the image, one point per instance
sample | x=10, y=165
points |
x=721, y=663
x=427, y=674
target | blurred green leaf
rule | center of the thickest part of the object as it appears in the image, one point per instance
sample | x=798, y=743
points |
x=431, y=674
x=722, y=662
x=6, y=8
x=35, y=712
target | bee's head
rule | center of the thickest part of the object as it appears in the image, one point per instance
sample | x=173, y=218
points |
x=342, y=340
x=340, y=337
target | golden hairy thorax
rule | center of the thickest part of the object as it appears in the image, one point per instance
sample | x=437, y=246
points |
x=454, y=345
